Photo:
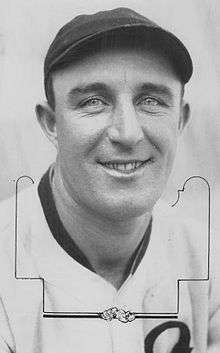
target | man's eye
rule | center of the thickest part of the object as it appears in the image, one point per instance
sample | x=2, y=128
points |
x=93, y=103
x=149, y=101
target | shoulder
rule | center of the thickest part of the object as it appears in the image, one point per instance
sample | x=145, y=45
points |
x=7, y=212
x=186, y=240
x=16, y=206
x=177, y=221
x=16, y=216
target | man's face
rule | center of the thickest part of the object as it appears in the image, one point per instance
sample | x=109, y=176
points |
x=117, y=120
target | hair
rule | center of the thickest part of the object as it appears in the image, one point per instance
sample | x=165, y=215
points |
x=122, y=38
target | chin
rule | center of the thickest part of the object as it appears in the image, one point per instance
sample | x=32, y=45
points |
x=125, y=209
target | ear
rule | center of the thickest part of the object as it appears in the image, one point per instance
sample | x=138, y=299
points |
x=184, y=116
x=47, y=120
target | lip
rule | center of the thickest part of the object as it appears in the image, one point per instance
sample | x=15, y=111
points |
x=120, y=161
x=125, y=173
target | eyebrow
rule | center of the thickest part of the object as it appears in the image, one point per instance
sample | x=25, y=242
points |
x=157, y=88
x=102, y=88
x=92, y=87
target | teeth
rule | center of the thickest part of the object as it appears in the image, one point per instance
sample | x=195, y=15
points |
x=123, y=166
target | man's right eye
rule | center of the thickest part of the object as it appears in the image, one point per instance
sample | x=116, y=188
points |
x=93, y=102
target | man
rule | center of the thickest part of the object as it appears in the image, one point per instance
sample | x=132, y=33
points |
x=93, y=237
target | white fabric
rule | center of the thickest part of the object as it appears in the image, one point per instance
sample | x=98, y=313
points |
x=177, y=250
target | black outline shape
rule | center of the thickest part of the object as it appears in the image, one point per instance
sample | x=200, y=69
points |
x=138, y=315
x=183, y=344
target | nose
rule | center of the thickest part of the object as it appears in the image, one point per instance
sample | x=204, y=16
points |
x=125, y=129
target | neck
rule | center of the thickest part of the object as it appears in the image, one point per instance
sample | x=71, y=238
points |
x=107, y=244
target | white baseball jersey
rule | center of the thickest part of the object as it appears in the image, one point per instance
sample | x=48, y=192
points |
x=39, y=278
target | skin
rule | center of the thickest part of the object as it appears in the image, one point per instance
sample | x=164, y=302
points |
x=134, y=111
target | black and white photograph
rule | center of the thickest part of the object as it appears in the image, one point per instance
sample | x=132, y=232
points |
x=110, y=176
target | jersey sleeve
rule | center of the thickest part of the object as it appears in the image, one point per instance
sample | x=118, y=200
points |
x=214, y=299
x=7, y=344
x=6, y=337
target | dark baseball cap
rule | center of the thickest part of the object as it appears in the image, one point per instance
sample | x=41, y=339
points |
x=83, y=29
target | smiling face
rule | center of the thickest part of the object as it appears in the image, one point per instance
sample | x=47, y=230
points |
x=116, y=122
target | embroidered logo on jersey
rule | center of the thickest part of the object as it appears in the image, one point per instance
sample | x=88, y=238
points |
x=183, y=344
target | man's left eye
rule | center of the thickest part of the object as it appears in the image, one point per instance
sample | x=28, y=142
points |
x=150, y=101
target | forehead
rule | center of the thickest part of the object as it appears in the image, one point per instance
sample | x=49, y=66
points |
x=117, y=68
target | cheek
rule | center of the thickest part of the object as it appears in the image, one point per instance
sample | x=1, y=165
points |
x=77, y=137
x=163, y=134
